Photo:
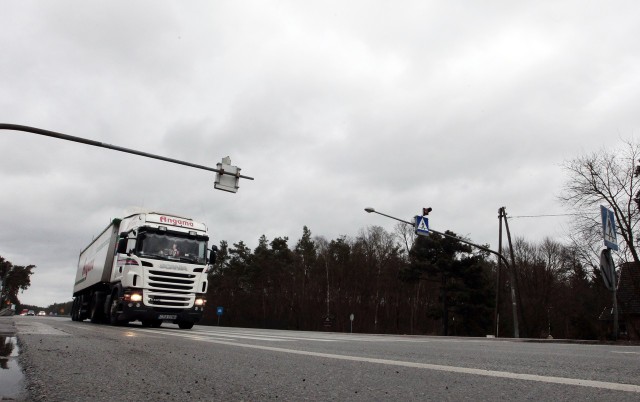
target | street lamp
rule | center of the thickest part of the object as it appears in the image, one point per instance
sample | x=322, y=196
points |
x=497, y=254
x=370, y=210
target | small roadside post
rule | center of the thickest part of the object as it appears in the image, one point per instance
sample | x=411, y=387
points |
x=219, y=312
x=351, y=317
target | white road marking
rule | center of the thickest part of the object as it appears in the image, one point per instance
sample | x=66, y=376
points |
x=626, y=353
x=330, y=337
x=37, y=328
x=451, y=369
x=264, y=337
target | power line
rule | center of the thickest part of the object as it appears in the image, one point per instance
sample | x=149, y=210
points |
x=541, y=216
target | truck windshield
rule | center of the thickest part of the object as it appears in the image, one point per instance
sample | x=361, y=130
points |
x=169, y=246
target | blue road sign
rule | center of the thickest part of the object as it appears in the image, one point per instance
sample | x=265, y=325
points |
x=609, y=228
x=220, y=310
x=422, y=225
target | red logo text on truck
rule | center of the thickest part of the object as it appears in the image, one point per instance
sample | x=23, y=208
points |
x=175, y=222
x=86, y=268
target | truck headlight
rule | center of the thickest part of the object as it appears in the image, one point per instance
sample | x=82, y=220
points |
x=134, y=297
x=200, y=302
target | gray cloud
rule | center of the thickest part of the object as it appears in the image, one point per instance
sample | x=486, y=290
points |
x=332, y=107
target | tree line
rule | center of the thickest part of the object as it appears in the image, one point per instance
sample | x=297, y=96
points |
x=432, y=285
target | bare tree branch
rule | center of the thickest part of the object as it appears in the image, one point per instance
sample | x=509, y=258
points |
x=604, y=178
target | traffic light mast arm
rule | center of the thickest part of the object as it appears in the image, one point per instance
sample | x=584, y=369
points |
x=34, y=130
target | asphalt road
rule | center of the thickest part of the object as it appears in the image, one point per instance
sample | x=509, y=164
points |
x=72, y=361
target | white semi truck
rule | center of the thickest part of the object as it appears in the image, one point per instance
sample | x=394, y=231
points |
x=150, y=267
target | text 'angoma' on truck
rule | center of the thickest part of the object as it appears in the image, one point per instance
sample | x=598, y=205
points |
x=150, y=267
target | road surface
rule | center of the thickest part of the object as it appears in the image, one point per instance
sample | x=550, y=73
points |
x=78, y=361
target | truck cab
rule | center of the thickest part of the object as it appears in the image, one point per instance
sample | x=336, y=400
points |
x=150, y=267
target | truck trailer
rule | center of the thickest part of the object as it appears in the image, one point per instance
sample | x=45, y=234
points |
x=150, y=267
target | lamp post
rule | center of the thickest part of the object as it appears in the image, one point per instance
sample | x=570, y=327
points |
x=497, y=254
x=226, y=179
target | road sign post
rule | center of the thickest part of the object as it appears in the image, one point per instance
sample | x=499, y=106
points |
x=607, y=267
x=608, y=273
x=219, y=312
x=351, y=317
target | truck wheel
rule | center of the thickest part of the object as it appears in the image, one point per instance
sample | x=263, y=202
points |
x=81, y=301
x=113, y=311
x=185, y=325
x=74, y=310
x=96, y=311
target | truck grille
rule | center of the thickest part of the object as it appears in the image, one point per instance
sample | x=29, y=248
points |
x=157, y=299
x=171, y=281
x=166, y=289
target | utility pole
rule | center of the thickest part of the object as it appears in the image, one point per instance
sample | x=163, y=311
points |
x=497, y=311
x=512, y=278
x=326, y=265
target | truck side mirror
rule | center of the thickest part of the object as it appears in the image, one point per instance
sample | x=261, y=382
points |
x=122, y=246
x=213, y=255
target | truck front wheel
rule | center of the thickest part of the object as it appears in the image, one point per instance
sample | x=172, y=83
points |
x=113, y=311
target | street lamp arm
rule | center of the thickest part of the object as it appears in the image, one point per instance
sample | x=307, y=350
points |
x=473, y=245
x=504, y=260
x=34, y=130
x=370, y=210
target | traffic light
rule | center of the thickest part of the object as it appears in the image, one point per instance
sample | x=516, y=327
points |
x=425, y=211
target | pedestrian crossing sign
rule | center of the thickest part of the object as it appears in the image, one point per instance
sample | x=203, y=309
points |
x=422, y=225
x=609, y=228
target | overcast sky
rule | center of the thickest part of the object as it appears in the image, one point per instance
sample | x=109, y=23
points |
x=332, y=106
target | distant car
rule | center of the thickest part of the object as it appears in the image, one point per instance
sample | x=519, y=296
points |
x=31, y=312
x=24, y=312
x=41, y=313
